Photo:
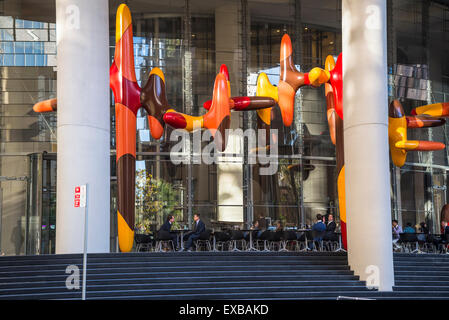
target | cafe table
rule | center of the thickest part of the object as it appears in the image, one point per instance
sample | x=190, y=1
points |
x=181, y=232
x=251, y=246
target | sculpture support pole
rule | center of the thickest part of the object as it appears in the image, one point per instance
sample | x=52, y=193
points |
x=83, y=123
x=367, y=175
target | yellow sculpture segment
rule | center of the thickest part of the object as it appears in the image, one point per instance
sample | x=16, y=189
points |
x=433, y=110
x=397, y=133
x=265, y=89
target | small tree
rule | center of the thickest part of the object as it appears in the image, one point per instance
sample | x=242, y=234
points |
x=155, y=199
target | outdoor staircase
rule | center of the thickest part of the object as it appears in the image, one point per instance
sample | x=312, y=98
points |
x=196, y=275
x=419, y=277
x=217, y=275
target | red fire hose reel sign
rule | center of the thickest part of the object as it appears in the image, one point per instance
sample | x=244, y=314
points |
x=80, y=196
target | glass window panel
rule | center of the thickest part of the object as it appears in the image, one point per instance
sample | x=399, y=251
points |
x=19, y=23
x=8, y=60
x=29, y=47
x=8, y=47
x=19, y=47
x=20, y=60
x=6, y=22
x=6, y=35
x=31, y=35
x=52, y=35
x=29, y=60
x=28, y=24
x=38, y=47
x=39, y=60
x=49, y=47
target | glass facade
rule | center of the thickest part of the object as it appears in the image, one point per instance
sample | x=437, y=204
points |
x=189, y=40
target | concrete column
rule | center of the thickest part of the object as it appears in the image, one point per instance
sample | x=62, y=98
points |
x=365, y=100
x=82, y=28
x=230, y=175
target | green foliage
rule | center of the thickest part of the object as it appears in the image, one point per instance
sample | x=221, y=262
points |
x=155, y=199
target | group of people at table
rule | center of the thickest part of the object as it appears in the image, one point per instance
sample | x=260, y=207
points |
x=422, y=231
x=324, y=230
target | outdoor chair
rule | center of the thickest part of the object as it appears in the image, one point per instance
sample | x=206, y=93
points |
x=444, y=243
x=236, y=239
x=221, y=240
x=262, y=240
x=330, y=241
x=164, y=241
x=422, y=243
x=144, y=242
x=301, y=241
x=313, y=234
x=203, y=242
x=340, y=243
x=409, y=242
x=429, y=245
x=437, y=241
x=289, y=240
x=275, y=241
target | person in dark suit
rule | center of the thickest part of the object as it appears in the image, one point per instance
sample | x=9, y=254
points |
x=318, y=231
x=330, y=228
x=165, y=230
x=198, y=228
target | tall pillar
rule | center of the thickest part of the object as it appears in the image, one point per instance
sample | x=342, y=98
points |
x=365, y=101
x=82, y=28
x=228, y=51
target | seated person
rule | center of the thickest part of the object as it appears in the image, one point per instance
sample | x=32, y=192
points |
x=279, y=227
x=424, y=228
x=319, y=227
x=396, y=228
x=262, y=222
x=424, y=232
x=409, y=228
x=255, y=225
x=198, y=228
x=444, y=228
x=330, y=229
x=256, y=231
x=165, y=231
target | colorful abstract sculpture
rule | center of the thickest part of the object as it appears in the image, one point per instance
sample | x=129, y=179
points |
x=289, y=83
x=334, y=93
x=444, y=214
x=398, y=124
x=268, y=95
x=242, y=103
x=433, y=110
x=154, y=100
x=49, y=105
x=397, y=133
x=218, y=118
x=129, y=97
x=127, y=102
x=266, y=98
